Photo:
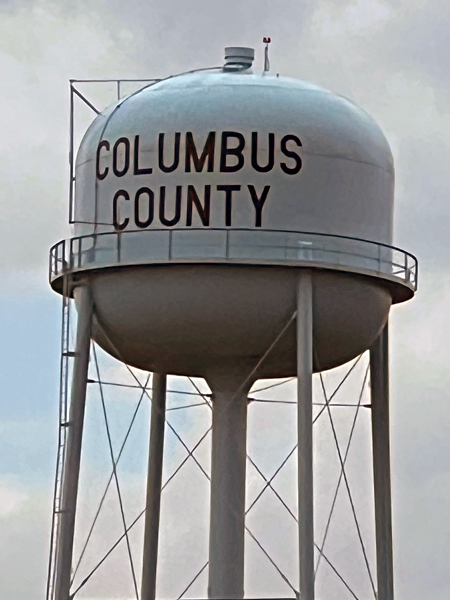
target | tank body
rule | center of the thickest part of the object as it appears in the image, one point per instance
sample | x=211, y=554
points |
x=209, y=320
x=328, y=164
x=232, y=151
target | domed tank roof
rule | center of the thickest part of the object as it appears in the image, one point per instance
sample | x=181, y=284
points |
x=324, y=162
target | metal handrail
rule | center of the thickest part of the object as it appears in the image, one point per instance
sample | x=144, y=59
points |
x=86, y=252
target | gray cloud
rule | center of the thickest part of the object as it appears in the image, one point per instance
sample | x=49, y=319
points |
x=391, y=58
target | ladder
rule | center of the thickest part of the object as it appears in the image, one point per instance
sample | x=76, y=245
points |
x=66, y=354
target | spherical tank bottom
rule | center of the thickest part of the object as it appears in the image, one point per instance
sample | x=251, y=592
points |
x=203, y=320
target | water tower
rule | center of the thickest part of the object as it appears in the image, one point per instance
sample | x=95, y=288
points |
x=232, y=225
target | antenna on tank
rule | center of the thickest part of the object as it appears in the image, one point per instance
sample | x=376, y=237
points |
x=266, y=41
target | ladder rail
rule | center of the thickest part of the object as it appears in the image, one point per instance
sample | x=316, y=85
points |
x=62, y=438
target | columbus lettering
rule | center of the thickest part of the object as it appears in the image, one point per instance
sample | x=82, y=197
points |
x=226, y=152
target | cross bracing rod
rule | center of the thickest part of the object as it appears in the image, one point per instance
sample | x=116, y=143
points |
x=97, y=513
x=191, y=455
x=347, y=486
x=116, y=479
x=268, y=484
x=267, y=555
x=347, y=449
x=139, y=387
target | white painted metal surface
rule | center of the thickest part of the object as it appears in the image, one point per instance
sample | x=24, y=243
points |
x=231, y=168
x=154, y=482
x=242, y=246
x=233, y=149
x=305, y=361
x=71, y=472
x=260, y=194
x=228, y=485
x=237, y=57
x=379, y=380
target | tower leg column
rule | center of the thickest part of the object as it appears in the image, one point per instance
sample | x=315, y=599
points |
x=83, y=297
x=154, y=479
x=228, y=469
x=305, y=435
x=379, y=378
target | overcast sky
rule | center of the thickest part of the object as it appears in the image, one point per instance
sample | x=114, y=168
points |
x=390, y=57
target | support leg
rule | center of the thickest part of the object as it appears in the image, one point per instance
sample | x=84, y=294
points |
x=305, y=435
x=379, y=377
x=154, y=478
x=83, y=297
x=228, y=469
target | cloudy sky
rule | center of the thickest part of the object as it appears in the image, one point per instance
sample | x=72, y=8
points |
x=392, y=58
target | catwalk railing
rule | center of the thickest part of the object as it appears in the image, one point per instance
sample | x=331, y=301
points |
x=237, y=246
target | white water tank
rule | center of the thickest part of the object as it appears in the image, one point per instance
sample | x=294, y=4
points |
x=199, y=197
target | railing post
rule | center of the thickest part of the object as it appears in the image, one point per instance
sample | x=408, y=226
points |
x=70, y=257
x=50, y=266
x=64, y=260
